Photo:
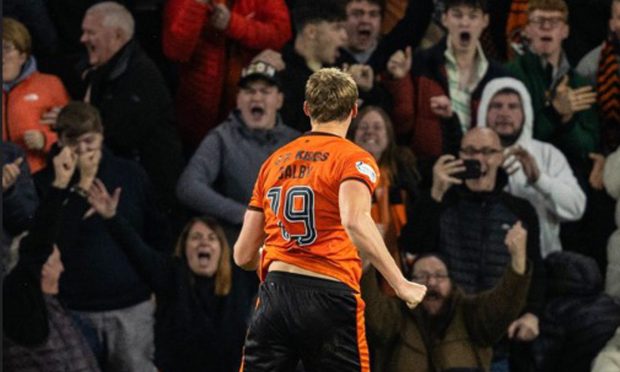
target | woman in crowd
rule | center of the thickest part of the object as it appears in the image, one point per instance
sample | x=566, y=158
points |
x=28, y=96
x=199, y=321
x=373, y=131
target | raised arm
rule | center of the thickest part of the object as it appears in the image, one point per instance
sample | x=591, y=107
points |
x=25, y=318
x=153, y=266
x=195, y=187
x=489, y=314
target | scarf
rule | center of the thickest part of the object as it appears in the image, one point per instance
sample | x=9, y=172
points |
x=608, y=91
x=517, y=19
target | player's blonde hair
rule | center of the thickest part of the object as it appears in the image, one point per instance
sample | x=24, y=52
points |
x=330, y=95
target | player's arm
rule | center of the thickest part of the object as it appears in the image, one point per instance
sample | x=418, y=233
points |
x=250, y=240
x=355, y=202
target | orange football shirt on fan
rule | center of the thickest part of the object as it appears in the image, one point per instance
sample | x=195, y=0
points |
x=297, y=190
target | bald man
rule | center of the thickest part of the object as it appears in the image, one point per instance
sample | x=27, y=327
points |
x=466, y=220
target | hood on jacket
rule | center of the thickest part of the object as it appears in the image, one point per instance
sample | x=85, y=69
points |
x=572, y=274
x=29, y=68
x=495, y=86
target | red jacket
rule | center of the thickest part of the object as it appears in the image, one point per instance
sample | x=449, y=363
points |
x=211, y=61
x=412, y=113
x=22, y=107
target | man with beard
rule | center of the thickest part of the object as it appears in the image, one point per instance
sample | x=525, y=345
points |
x=465, y=219
x=562, y=102
x=538, y=171
x=450, y=330
x=564, y=116
x=442, y=85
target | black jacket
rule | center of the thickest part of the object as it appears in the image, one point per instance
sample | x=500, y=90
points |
x=409, y=31
x=469, y=228
x=137, y=113
x=195, y=330
x=19, y=202
x=294, y=77
x=98, y=276
x=23, y=307
x=38, y=332
x=578, y=318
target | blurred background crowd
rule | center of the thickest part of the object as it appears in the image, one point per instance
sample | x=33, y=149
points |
x=133, y=132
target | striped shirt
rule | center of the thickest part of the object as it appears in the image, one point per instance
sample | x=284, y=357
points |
x=460, y=95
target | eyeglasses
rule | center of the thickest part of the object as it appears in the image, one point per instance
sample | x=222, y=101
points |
x=485, y=151
x=552, y=22
x=425, y=277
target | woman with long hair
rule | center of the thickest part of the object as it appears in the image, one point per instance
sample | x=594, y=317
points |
x=200, y=324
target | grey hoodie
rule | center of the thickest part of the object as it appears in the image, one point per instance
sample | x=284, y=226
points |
x=556, y=195
x=220, y=176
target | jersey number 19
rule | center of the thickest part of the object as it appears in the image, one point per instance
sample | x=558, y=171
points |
x=298, y=208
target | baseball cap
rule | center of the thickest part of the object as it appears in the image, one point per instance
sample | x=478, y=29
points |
x=259, y=70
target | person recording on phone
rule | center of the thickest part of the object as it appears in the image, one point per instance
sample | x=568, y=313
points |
x=539, y=172
x=467, y=215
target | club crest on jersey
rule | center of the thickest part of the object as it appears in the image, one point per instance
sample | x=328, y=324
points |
x=366, y=170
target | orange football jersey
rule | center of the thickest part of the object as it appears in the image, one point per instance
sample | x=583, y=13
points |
x=297, y=190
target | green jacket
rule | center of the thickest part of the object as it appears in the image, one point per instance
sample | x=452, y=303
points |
x=577, y=138
x=475, y=324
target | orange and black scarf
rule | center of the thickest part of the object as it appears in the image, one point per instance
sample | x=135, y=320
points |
x=517, y=20
x=608, y=89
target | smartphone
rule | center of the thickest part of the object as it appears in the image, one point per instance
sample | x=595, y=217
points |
x=472, y=170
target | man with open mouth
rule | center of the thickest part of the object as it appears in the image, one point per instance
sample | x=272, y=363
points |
x=319, y=35
x=562, y=101
x=450, y=331
x=465, y=220
x=220, y=175
x=565, y=116
x=440, y=94
x=366, y=51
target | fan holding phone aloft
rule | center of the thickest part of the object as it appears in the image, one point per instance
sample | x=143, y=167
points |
x=480, y=158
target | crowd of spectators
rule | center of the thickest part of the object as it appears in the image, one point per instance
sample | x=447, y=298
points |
x=495, y=124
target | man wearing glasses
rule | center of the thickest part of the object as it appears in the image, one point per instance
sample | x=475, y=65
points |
x=562, y=102
x=566, y=117
x=449, y=331
x=466, y=217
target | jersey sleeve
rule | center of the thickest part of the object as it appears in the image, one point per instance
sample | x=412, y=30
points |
x=361, y=166
x=256, y=202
